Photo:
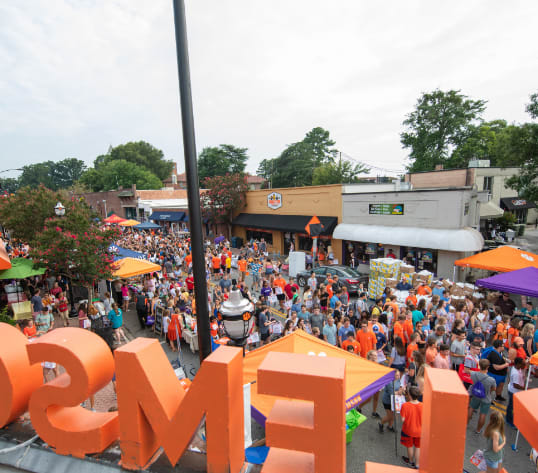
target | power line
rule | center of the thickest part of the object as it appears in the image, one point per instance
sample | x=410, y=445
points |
x=371, y=166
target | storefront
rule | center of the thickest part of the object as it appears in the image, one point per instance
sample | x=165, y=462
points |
x=429, y=229
x=174, y=221
x=519, y=207
x=280, y=216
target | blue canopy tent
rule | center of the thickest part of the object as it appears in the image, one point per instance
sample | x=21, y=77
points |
x=147, y=226
x=120, y=253
x=162, y=216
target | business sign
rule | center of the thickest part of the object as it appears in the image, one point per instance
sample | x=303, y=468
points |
x=386, y=209
x=519, y=202
x=274, y=200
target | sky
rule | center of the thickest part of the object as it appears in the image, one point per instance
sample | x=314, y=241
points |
x=77, y=76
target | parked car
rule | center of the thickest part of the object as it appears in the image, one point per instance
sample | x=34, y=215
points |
x=349, y=277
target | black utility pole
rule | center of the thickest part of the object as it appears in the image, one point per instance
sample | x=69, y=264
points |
x=193, y=190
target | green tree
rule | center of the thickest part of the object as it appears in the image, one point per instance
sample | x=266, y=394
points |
x=72, y=245
x=141, y=154
x=219, y=160
x=53, y=175
x=321, y=144
x=439, y=124
x=294, y=167
x=341, y=172
x=532, y=106
x=225, y=195
x=37, y=174
x=116, y=173
x=9, y=185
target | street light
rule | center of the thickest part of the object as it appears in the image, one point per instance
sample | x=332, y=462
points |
x=59, y=210
x=237, y=314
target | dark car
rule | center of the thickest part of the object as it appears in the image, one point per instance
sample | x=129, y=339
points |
x=349, y=277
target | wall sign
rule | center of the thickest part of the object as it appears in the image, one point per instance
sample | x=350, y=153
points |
x=274, y=200
x=386, y=209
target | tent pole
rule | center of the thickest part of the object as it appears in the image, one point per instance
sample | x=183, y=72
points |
x=395, y=422
x=454, y=274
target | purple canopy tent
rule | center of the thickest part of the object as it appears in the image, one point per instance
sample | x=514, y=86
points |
x=522, y=281
x=219, y=239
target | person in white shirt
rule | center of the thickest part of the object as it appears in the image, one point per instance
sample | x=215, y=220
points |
x=517, y=384
x=312, y=282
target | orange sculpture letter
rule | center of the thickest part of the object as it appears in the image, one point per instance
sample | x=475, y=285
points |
x=444, y=419
x=304, y=436
x=19, y=378
x=155, y=411
x=55, y=407
x=525, y=415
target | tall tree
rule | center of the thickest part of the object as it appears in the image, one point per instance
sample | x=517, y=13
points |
x=140, y=153
x=340, y=172
x=113, y=174
x=532, y=106
x=53, y=175
x=295, y=165
x=37, y=174
x=8, y=185
x=219, y=160
x=224, y=196
x=322, y=145
x=439, y=123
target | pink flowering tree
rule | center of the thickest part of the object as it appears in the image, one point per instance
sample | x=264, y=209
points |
x=224, y=196
x=72, y=245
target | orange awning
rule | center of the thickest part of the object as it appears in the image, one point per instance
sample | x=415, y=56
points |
x=5, y=263
x=130, y=267
x=114, y=219
x=502, y=259
x=129, y=223
x=363, y=378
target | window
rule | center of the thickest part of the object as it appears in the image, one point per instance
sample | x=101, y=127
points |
x=259, y=234
x=488, y=183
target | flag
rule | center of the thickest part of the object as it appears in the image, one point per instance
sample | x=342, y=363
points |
x=314, y=227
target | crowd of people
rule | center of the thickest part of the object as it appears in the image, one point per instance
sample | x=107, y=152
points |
x=488, y=345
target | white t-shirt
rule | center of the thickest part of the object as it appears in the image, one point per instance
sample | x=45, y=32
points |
x=517, y=377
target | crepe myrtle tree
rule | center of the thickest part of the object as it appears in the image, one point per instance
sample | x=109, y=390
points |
x=223, y=196
x=72, y=245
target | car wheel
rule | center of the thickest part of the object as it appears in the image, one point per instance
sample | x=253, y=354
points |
x=301, y=281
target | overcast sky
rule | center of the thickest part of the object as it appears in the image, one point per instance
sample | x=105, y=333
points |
x=79, y=75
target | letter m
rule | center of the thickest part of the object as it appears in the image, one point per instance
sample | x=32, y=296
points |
x=155, y=411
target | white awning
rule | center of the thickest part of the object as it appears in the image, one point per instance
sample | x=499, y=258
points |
x=464, y=239
x=490, y=210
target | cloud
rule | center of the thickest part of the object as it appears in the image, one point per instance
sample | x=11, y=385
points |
x=77, y=76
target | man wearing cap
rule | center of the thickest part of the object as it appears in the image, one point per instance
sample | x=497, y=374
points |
x=438, y=289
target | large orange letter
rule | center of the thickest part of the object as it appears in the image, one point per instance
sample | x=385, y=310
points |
x=444, y=420
x=305, y=436
x=19, y=378
x=89, y=367
x=525, y=415
x=155, y=411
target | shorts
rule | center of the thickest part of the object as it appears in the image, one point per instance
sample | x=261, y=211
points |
x=387, y=407
x=499, y=378
x=478, y=404
x=492, y=464
x=125, y=298
x=216, y=270
x=265, y=336
x=281, y=297
x=256, y=277
x=228, y=270
x=408, y=441
x=64, y=315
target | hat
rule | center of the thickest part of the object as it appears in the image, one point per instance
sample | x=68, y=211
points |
x=519, y=341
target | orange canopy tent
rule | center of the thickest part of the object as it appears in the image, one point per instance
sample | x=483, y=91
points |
x=5, y=263
x=129, y=223
x=114, y=219
x=502, y=259
x=363, y=378
x=130, y=267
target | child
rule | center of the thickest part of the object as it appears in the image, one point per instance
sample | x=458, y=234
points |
x=494, y=433
x=30, y=329
x=166, y=323
x=411, y=414
x=214, y=327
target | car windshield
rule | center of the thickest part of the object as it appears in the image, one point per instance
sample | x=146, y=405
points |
x=348, y=272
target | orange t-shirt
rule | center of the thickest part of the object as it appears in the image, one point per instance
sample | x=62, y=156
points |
x=280, y=282
x=431, y=353
x=30, y=331
x=412, y=415
x=356, y=345
x=399, y=331
x=424, y=291
x=413, y=300
x=500, y=332
x=329, y=290
x=214, y=328
x=408, y=327
x=410, y=349
x=215, y=261
x=188, y=259
x=242, y=265
x=367, y=341
x=395, y=308
x=511, y=331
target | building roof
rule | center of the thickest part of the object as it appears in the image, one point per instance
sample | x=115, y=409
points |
x=162, y=194
x=255, y=179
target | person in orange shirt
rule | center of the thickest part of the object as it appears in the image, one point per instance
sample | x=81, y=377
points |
x=398, y=328
x=188, y=260
x=351, y=342
x=412, y=347
x=366, y=338
x=423, y=289
x=395, y=309
x=242, y=266
x=411, y=414
x=513, y=332
x=431, y=350
x=408, y=327
x=411, y=298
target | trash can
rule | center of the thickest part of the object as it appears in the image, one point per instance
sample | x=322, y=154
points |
x=510, y=234
x=520, y=229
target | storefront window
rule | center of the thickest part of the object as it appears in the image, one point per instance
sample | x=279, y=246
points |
x=363, y=252
x=420, y=258
x=259, y=234
x=305, y=242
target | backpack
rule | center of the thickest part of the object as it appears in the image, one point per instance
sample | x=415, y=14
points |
x=486, y=352
x=478, y=390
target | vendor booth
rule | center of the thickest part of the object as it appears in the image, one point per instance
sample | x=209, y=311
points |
x=114, y=219
x=502, y=259
x=130, y=267
x=129, y=223
x=147, y=226
x=523, y=281
x=363, y=378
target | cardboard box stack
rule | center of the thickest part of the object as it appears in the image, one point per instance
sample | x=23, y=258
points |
x=382, y=269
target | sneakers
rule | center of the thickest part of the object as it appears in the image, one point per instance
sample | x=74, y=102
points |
x=391, y=429
x=500, y=399
x=381, y=427
x=376, y=415
x=405, y=460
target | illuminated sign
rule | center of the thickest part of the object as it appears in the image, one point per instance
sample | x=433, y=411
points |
x=274, y=200
x=386, y=209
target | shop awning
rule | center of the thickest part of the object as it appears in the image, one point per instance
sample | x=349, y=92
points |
x=463, y=239
x=503, y=259
x=516, y=203
x=284, y=223
x=363, y=378
x=167, y=216
x=490, y=210
x=130, y=267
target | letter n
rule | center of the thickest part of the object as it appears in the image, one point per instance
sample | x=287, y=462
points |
x=155, y=410
x=304, y=436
